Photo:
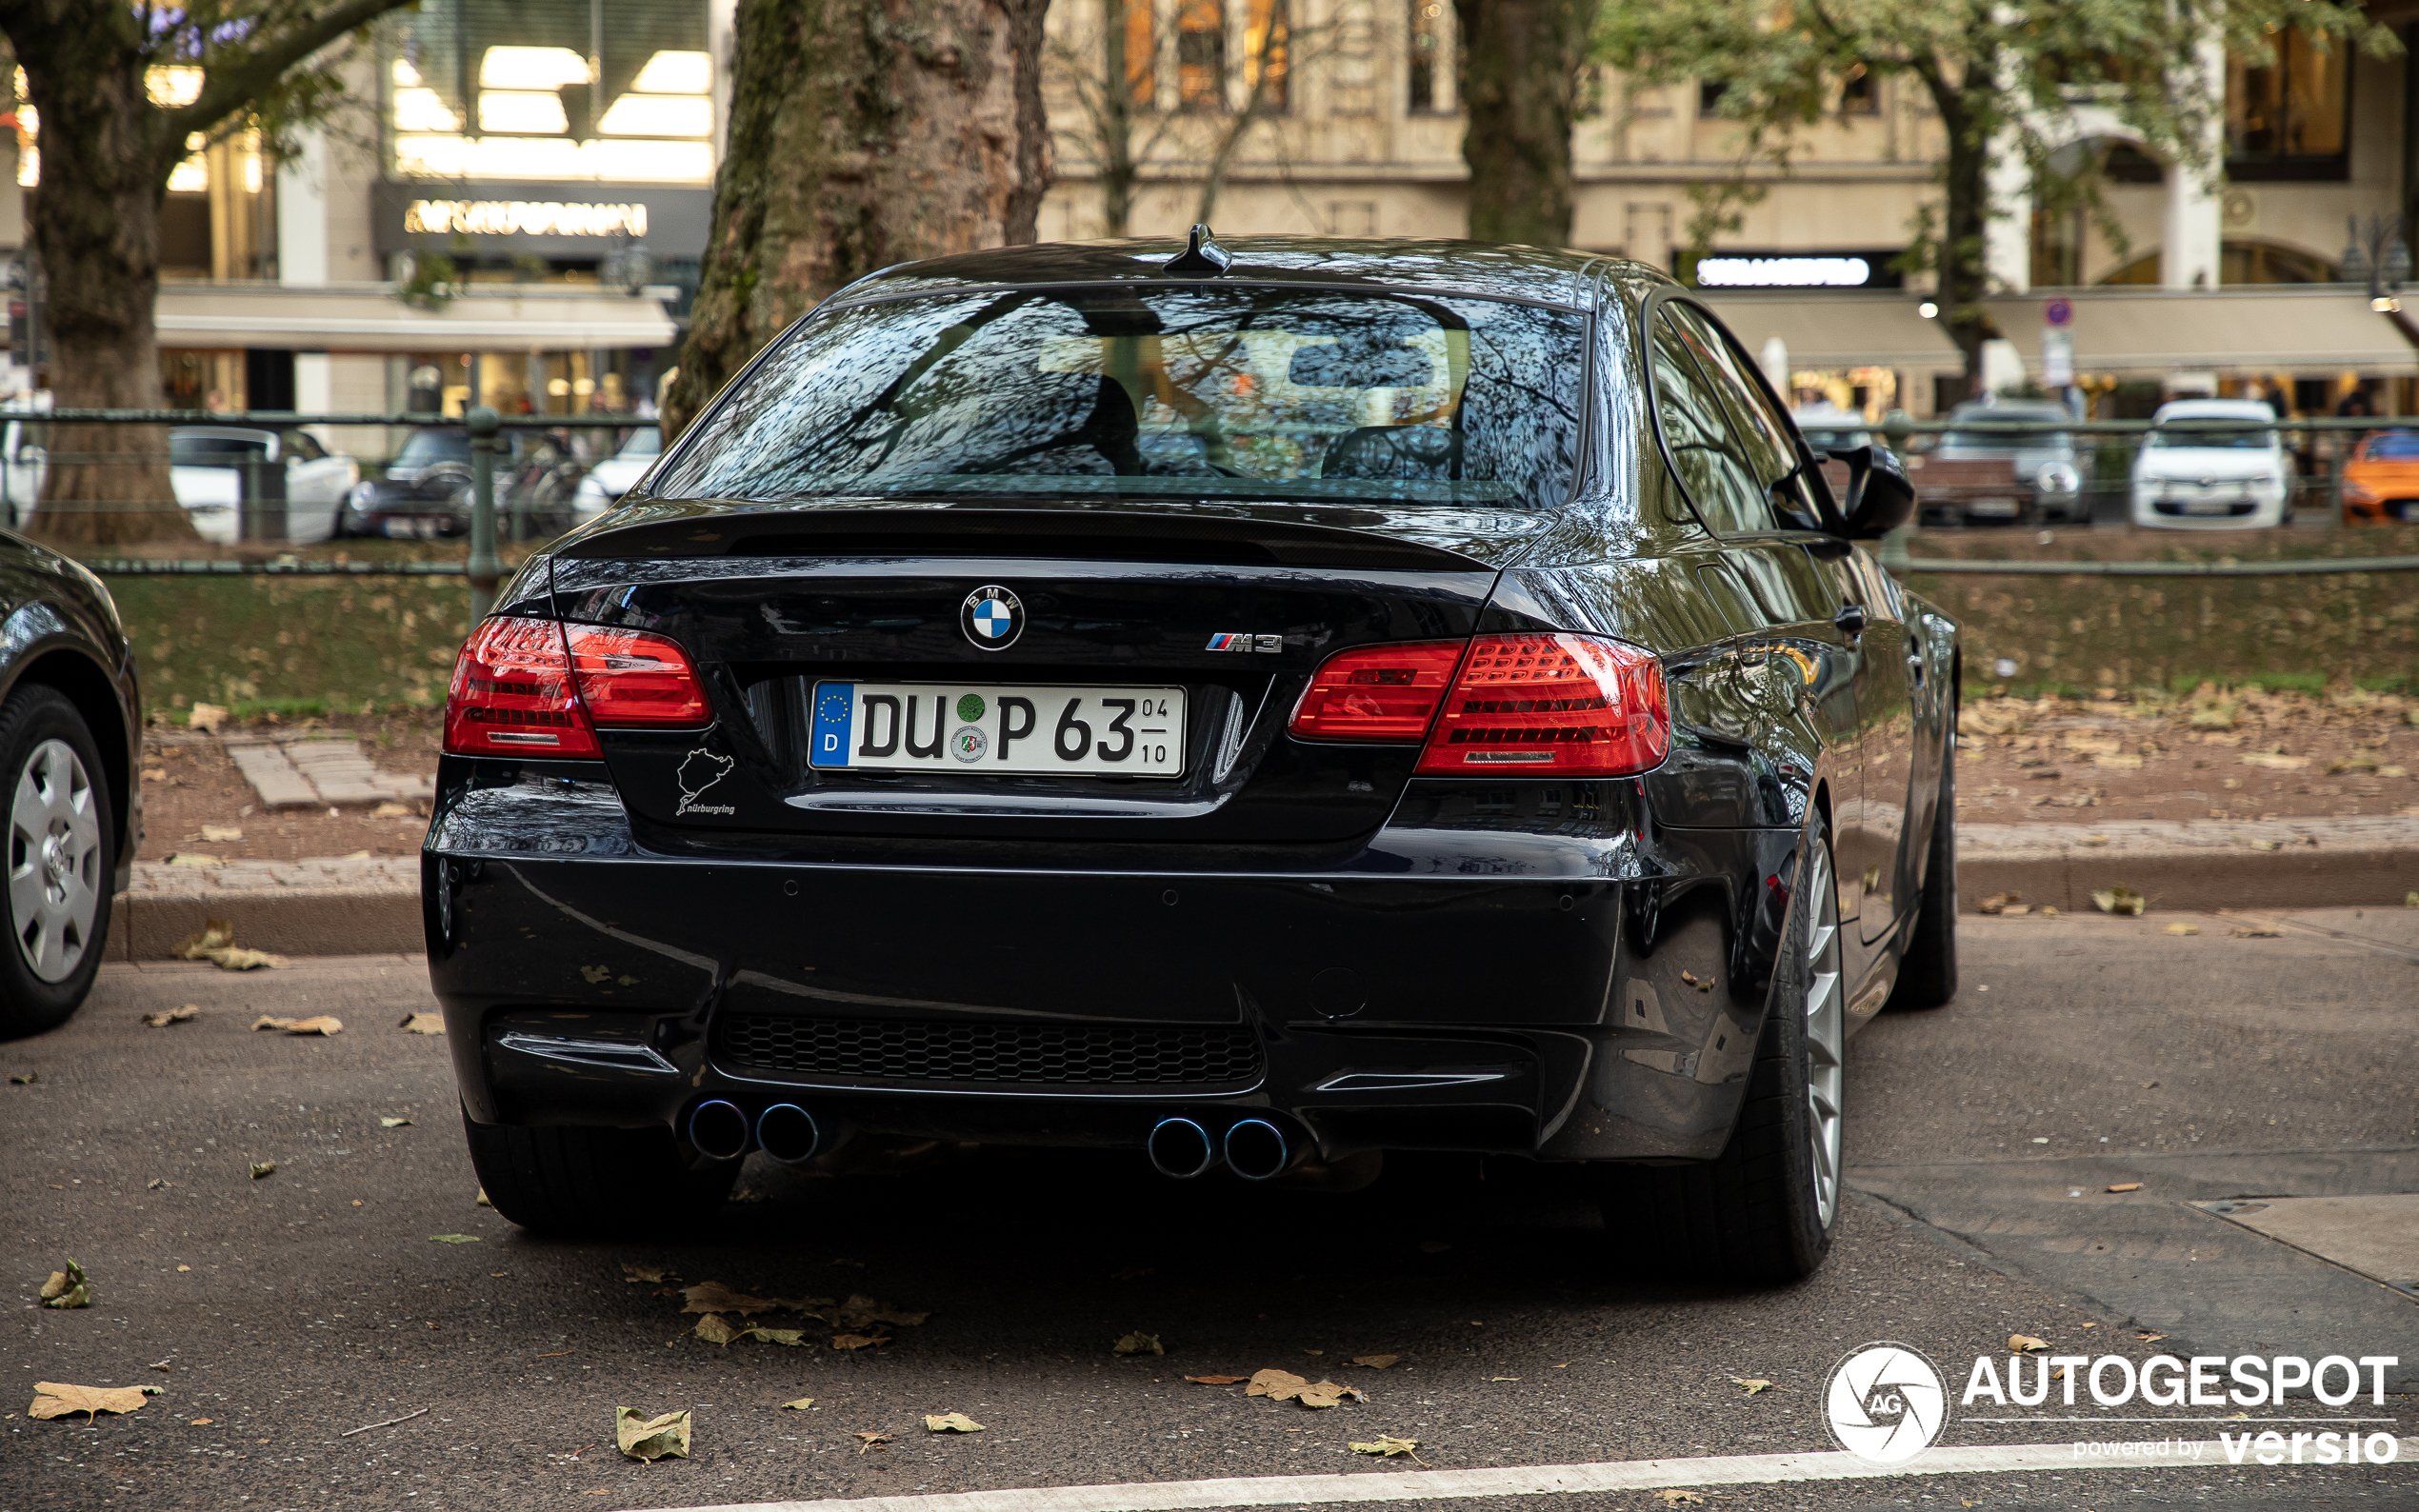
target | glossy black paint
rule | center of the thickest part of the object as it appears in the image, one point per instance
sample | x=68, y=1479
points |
x=59, y=627
x=1560, y=968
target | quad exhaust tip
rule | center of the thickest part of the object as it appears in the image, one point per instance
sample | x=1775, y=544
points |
x=1258, y=1150
x=789, y=1133
x=718, y=1129
x=1181, y=1149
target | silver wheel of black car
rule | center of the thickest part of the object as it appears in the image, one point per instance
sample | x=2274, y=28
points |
x=60, y=860
x=1826, y=1034
x=56, y=871
x=1767, y=1207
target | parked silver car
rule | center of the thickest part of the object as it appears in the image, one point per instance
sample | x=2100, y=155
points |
x=2042, y=469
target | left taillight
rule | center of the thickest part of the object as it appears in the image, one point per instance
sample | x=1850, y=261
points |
x=526, y=687
x=512, y=694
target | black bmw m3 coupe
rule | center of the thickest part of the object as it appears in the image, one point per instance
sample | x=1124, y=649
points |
x=1259, y=706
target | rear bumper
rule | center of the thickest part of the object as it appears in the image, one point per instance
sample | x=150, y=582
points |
x=1595, y=1001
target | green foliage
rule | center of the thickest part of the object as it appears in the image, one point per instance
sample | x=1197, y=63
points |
x=2003, y=75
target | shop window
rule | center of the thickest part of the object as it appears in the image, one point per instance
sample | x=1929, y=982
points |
x=2241, y=263
x=1201, y=56
x=2289, y=117
x=1428, y=57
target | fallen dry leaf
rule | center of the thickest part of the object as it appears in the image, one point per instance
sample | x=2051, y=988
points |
x=1283, y=1386
x=422, y=1023
x=2120, y=901
x=187, y=858
x=1138, y=1344
x=222, y=832
x=1753, y=1386
x=390, y=809
x=203, y=1423
x=712, y=1296
x=654, y=1275
x=1375, y=1362
x=394, y=1123
x=867, y=1439
x=799, y=1405
x=2150, y=1339
x=25, y=1078
x=205, y=717
x=713, y=1329
x=453, y=1238
x=650, y=1439
x=168, y=1016
x=2001, y=902
x=2256, y=934
x=68, y=1289
x=1216, y=1381
x=1675, y=1497
x=2026, y=1344
x=261, y=1168
x=214, y=934
x=2123, y=1186
x=2183, y=928
x=482, y=1199
x=1387, y=1447
x=951, y=1423
x=860, y=1311
x=318, y=1024
x=858, y=1340
x=2268, y=844
x=2274, y=762
x=54, y=1400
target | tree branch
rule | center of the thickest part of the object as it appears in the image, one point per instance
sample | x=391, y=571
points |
x=226, y=90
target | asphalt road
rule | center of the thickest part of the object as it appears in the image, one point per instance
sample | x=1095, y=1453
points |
x=295, y=1306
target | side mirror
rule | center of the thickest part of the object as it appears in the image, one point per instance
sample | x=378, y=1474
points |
x=1880, y=498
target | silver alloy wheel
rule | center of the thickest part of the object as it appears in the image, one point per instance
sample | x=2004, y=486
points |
x=54, y=861
x=1826, y=1032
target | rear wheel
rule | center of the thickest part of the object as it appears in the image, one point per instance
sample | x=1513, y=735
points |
x=1766, y=1208
x=59, y=860
x=1927, y=972
x=594, y=1180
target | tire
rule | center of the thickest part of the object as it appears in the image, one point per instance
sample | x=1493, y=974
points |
x=61, y=860
x=1927, y=972
x=607, y=1182
x=1766, y=1208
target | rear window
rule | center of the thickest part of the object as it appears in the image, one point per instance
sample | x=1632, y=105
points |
x=1181, y=392
x=2223, y=439
x=2401, y=446
x=186, y=449
x=425, y=446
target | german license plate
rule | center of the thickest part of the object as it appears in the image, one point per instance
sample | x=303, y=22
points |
x=993, y=727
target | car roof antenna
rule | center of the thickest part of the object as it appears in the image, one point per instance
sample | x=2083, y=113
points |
x=1202, y=255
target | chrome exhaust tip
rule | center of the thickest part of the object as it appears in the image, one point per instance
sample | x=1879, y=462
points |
x=718, y=1129
x=789, y=1133
x=1181, y=1149
x=1258, y=1150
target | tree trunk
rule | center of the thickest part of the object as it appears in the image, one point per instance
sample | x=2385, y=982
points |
x=1520, y=62
x=96, y=227
x=863, y=133
x=1116, y=120
x=1961, y=261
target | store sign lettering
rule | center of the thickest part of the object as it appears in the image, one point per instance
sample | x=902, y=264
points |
x=524, y=218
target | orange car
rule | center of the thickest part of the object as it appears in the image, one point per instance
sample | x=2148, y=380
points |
x=2381, y=481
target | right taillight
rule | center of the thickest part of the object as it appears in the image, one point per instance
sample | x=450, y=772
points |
x=1552, y=705
x=512, y=694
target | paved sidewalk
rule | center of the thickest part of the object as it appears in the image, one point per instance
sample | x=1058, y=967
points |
x=323, y=906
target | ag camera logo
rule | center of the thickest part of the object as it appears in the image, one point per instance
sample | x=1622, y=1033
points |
x=1887, y=1403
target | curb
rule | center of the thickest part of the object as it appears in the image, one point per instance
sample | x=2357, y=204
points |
x=2193, y=866
x=356, y=905
x=325, y=907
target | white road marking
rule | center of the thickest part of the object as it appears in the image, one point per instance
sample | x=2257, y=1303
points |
x=1426, y=1485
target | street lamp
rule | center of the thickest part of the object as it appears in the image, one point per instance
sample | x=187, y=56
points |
x=2378, y=255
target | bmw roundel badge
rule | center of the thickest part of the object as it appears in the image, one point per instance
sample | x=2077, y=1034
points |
x=992, y=617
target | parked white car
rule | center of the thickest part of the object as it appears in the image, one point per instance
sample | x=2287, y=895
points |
x=208, y=465
x=605, y=483
x=207, y=471
x=2215, y=479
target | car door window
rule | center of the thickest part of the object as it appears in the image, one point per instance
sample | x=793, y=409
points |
x=1764, y=441
x=1697, y=430
x=300, y=446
